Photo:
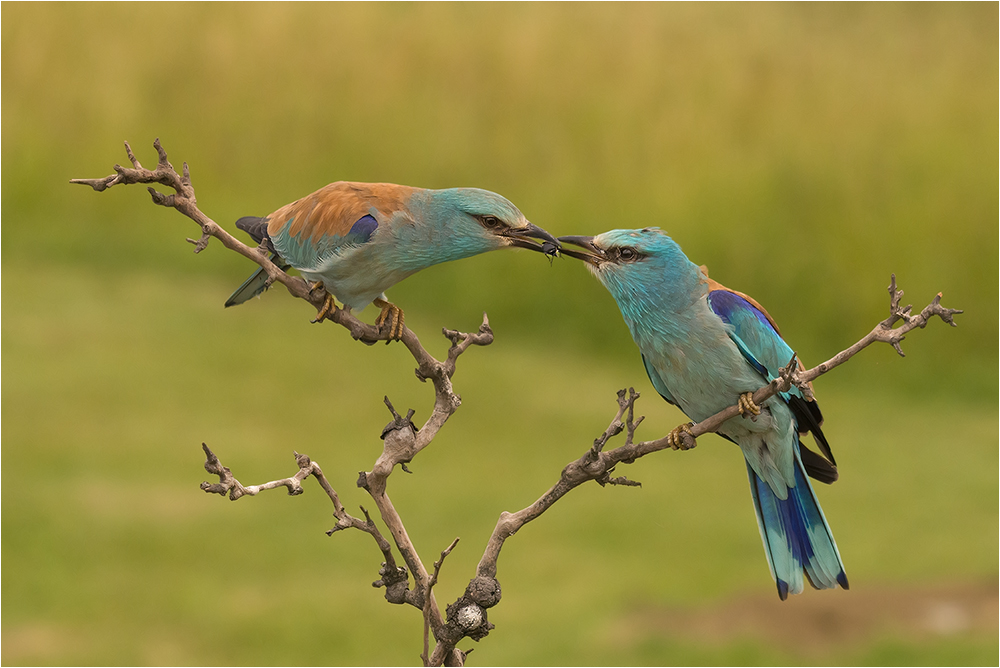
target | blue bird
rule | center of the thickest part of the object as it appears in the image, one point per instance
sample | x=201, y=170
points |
x=706, y=347
x=359, y=239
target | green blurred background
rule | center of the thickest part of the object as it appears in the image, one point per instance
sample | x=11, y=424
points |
x=802, y=152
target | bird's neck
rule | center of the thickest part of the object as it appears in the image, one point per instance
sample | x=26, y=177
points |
x=434, y=232
x=661, y=305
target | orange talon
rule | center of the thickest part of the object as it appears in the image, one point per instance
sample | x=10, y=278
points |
x=329, y=306
x=394, y=315
x=746, y=404
x=676, y=441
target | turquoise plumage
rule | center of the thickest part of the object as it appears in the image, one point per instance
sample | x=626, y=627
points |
x=360, y=239
x=704, y=347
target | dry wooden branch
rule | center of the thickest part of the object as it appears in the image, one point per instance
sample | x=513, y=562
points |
x=402, y=439
x=393, y=578
x=183, y=199
x=428, y=598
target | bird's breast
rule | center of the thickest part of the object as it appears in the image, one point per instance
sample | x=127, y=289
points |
x=698, y=363
x=358, y=275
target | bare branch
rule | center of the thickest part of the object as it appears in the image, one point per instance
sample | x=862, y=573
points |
x=394, y=579
x=401, y=442
x=467, y=617
x=402, y=439
x=440, y=374
x=886, y=331
x=427, y=597
x=593, y=465
x=229, y=484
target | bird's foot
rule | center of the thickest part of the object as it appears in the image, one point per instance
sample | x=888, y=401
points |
x=394, y=315
x=746, y=405
x=676, y=439
x=329, y=306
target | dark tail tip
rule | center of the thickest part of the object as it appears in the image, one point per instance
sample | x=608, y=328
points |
x=255, y=226
x=782, y=590
x=251, y=287
x=842, y=580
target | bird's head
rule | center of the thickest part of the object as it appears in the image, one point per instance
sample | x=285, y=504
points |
x=634, y=262
x=484, y=221
x=625, y=250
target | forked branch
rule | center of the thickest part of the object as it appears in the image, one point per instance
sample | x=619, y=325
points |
x=402, y=439
x=394, y=579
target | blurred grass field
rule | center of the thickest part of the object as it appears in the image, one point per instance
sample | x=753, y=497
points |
x=802, y=152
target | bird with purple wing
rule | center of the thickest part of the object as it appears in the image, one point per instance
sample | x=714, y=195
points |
x=359, y=239
x=706, y=347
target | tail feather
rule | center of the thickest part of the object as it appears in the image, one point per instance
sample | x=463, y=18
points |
x=256, y=227
x=797, y=538
x=255, y=285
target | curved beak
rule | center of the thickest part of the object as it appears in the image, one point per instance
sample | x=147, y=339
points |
x=524, y=237
x=591, y=253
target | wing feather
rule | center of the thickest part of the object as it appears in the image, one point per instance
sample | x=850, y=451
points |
x=332, y=210
x=658, y=383
x=336, y=217
x=759, y=340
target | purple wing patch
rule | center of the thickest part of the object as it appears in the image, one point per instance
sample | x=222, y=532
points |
x=728, y=305
x=363, y=229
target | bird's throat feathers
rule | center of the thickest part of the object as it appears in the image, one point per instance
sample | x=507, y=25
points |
x=443, y=226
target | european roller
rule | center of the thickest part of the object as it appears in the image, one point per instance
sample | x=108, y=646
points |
x=359, y=239
x=706, y=347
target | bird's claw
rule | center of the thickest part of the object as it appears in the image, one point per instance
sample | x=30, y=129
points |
x=676, y=438
x=746, y=405
x=394, y=315
x=328, y=308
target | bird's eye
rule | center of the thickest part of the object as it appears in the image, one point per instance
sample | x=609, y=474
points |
x=490, y=221
x=627, y=254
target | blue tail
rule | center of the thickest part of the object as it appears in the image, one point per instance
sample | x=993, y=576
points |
x=796, y=536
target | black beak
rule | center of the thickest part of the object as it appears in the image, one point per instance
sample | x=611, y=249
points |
x=524, y=237
x=591, y=255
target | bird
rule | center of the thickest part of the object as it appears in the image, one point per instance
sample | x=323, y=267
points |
x=706, y=347
x=357, y=240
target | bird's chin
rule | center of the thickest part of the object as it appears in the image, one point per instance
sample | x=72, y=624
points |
x=595, y=269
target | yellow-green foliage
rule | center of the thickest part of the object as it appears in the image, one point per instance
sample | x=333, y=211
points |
x=802, y=152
